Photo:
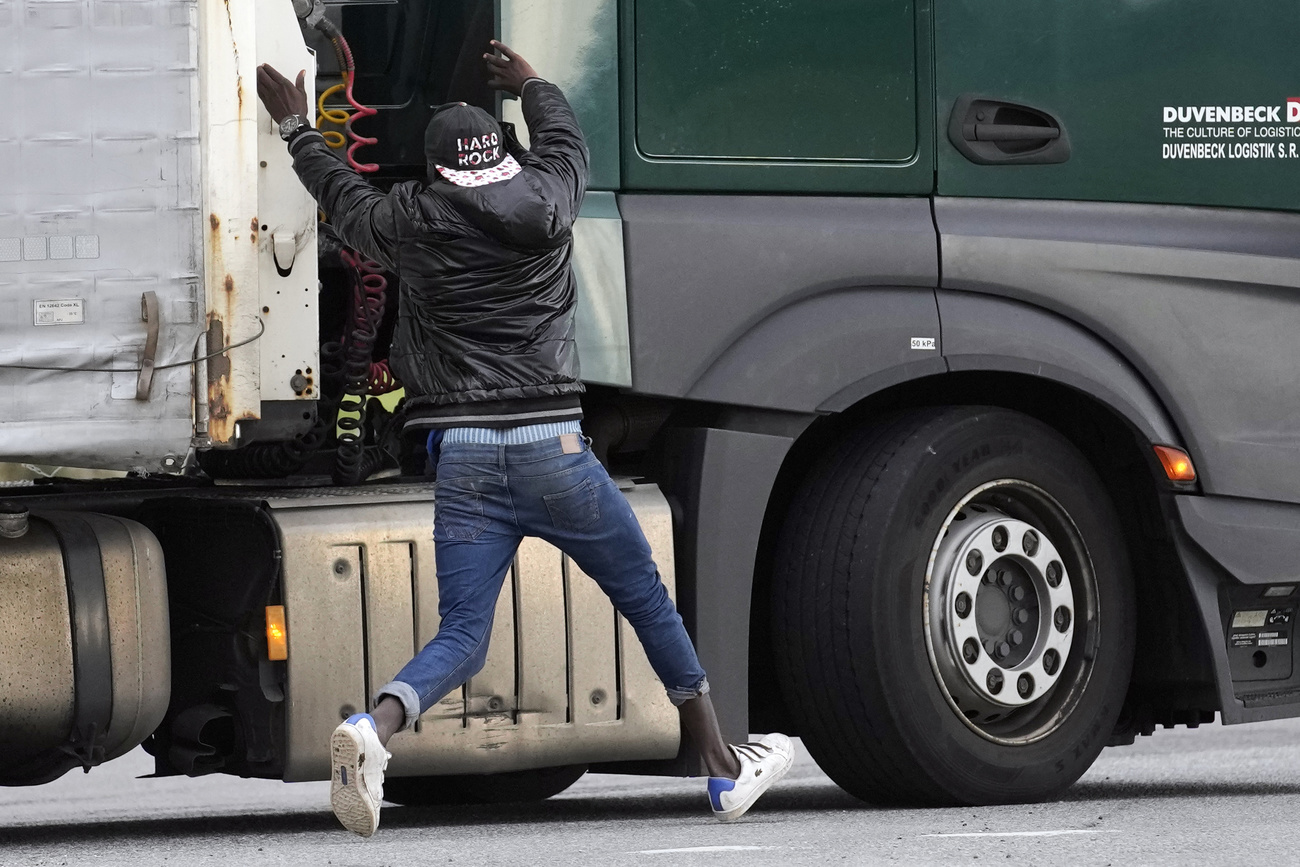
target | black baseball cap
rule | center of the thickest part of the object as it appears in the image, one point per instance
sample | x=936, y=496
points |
x=465, y=145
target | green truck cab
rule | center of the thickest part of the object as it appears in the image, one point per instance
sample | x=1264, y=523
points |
x=948, y=349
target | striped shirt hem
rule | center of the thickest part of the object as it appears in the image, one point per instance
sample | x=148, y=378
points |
x=451, y=421
x=513, y=436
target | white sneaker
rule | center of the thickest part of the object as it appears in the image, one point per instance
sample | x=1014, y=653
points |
x=762, y=763
x=357, y=785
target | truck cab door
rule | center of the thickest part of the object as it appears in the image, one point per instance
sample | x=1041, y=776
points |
x=1135, y=168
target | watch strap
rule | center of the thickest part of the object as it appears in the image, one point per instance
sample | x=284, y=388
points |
x=299, y=130
x=303, y=137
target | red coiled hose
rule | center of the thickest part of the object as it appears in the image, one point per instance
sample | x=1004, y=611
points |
x=382, y=380
x=369, y=300
x=344, y=52
x=358, y=141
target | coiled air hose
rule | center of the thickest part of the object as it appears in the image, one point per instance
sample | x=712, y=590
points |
x=276, y=460
x=361, y=375
x=338, y=116
x=348, y=66
x=353, y=461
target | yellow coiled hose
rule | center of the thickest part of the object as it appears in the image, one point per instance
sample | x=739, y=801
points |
x=337, y=116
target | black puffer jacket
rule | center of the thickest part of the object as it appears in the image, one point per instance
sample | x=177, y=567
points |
x=485, y=327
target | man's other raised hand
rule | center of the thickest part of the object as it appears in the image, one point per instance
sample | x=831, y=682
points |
x=509, y=71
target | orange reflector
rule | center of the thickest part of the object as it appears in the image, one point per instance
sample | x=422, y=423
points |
x=277, y=637
x=1177, y=464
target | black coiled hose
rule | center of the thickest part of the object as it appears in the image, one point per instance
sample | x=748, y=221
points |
x=348, y=377
x=276, y=460
x=353, y=461
x=272, y=460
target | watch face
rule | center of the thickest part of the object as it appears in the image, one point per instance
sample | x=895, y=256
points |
x=289, y=124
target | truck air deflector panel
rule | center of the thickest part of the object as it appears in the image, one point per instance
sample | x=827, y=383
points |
x=601, y=318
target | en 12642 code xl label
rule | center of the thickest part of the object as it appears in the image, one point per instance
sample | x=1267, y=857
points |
x=67, y=311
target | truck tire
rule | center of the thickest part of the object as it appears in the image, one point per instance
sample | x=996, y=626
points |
x=510, y=787
x=953, y=614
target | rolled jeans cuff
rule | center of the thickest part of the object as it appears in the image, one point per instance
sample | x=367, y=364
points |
x=678, y=695
x=404, y=693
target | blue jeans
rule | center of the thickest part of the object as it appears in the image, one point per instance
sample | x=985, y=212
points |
x=487, y=498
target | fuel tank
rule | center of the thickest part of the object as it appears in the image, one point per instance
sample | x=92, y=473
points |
x=84, y=668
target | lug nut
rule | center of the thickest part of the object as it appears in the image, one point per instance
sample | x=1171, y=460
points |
x=1062, y=619
x=1024, y=685
x=963, y=604
x=1017, y=638
x=1030, y=543
x=989, y=646
x=994, y=681
x=1004, y=578
x=1000, y=538
x=974, y=562
x=1051, y=659
x=1017, y=593
x=970, y=651
x=1021, y=616
x=1002, y=650
x=1054, y=573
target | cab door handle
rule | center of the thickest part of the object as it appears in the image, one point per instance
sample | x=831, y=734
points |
x=996, y=132
x=1008, y=132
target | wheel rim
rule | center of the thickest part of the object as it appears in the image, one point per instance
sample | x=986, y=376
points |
x=1010, y=610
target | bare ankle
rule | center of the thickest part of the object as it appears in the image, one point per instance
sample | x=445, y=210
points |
x=390, y=718
x=701, y=722
x=727, y=767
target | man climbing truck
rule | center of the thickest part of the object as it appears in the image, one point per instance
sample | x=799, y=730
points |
x=486, y=325
x=948, y=373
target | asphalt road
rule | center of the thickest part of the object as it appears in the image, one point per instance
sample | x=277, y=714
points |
x=1216, y=795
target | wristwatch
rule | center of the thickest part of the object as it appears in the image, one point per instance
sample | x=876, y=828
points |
x=291, y=125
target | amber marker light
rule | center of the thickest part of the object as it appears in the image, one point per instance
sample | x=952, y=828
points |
x=277, y=637
x=1177, y=464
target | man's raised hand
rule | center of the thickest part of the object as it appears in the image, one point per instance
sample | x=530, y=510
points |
x=509, y=71
x=281, y=96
